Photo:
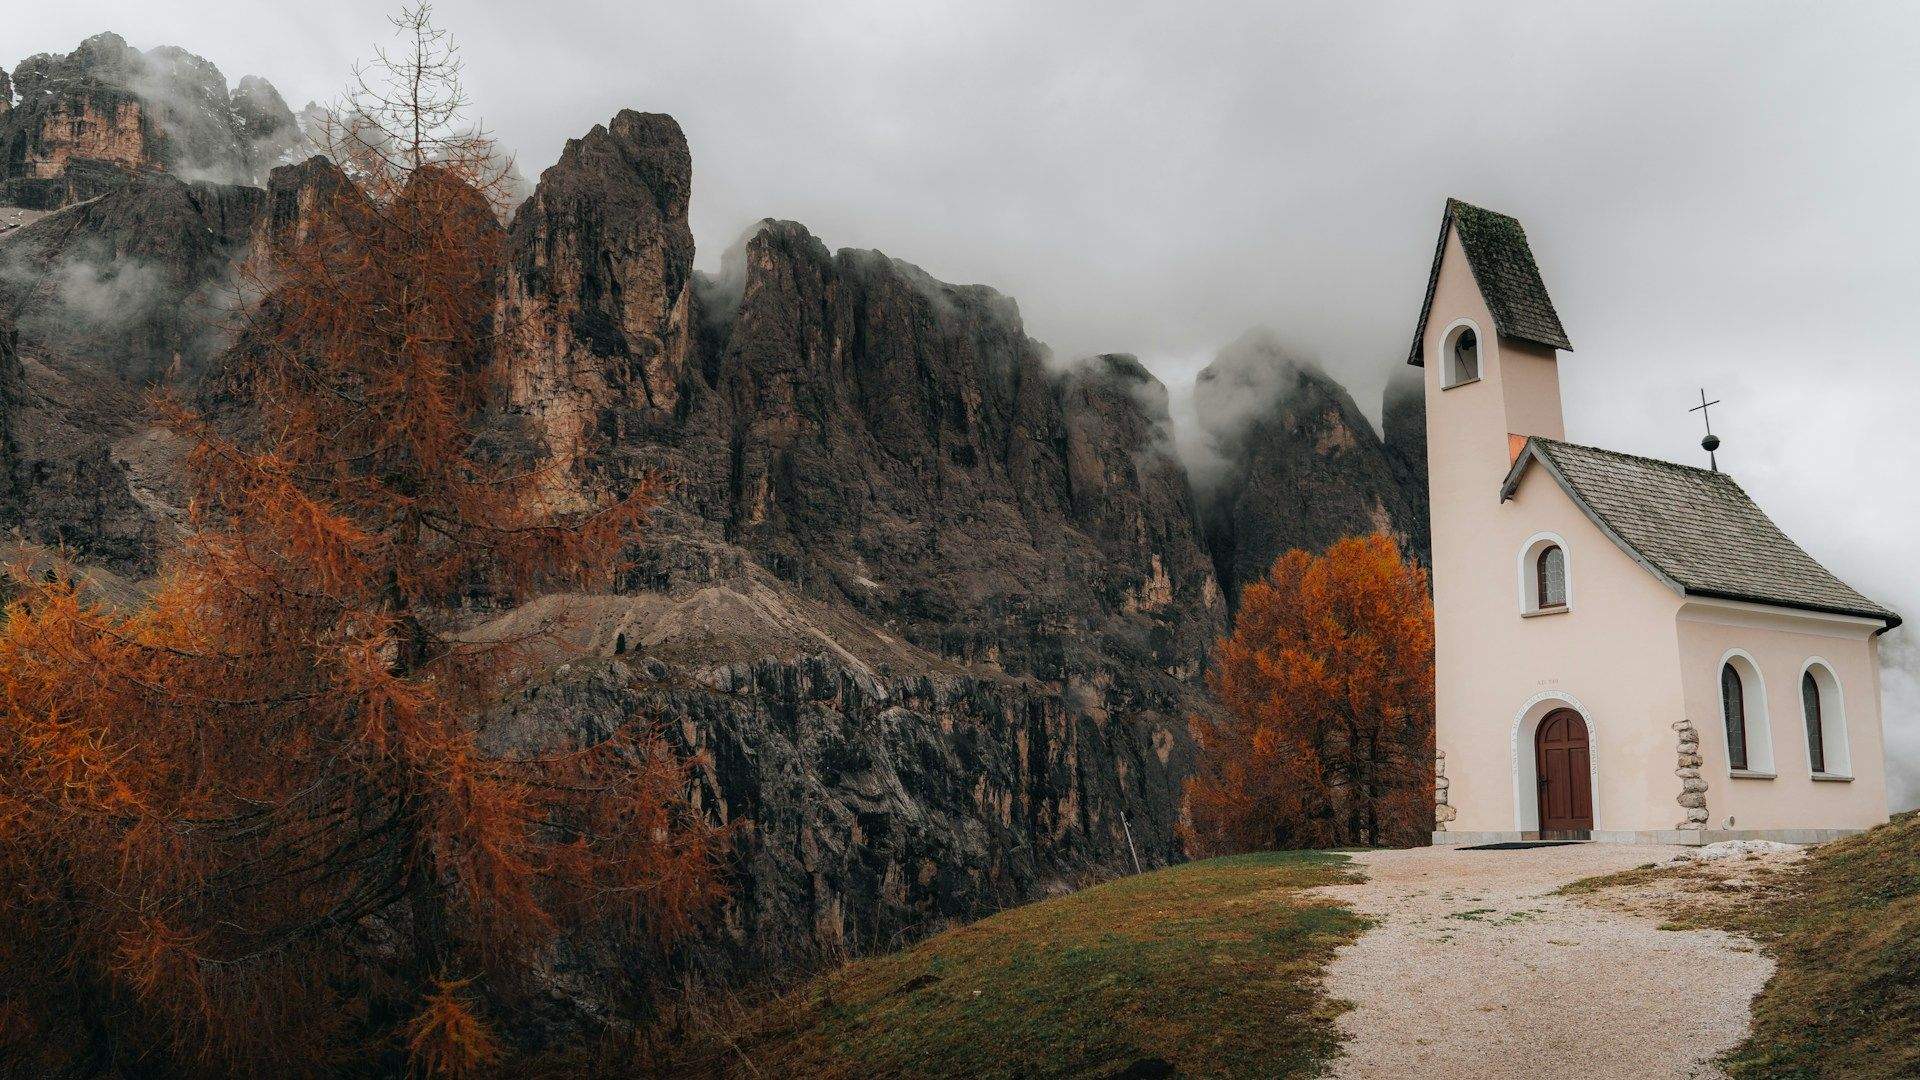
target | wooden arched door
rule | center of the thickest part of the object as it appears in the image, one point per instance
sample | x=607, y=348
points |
x=1566, y=776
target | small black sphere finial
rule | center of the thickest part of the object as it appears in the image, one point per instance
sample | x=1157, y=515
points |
x=1712, y=441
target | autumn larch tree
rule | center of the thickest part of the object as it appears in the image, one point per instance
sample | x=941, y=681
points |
x=1326, y=685
x=246, y=829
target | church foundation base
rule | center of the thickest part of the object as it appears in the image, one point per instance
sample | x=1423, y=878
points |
x=1702, y=837
x=1668, y=837
x=1473, y=839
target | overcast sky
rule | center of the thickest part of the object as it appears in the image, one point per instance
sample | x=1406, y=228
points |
x=1720, y=195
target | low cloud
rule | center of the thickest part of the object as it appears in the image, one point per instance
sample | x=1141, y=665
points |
x=106, y=295
x=1900, y=703
x=213, y=134
x=210, y=133
x=1246, y=380
x=87, y=301
x=720, y=293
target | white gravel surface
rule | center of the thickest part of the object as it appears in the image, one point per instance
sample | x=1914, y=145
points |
x=1473, y=969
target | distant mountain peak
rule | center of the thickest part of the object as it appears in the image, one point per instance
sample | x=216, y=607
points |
x=107, y=113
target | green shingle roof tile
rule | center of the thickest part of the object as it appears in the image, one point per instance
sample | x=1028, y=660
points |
x=1508, y=278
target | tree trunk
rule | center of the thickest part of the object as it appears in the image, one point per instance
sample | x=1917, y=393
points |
x=1373, y=789
x=1352, y=772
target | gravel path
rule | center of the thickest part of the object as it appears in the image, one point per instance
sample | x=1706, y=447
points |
x=1473, y=970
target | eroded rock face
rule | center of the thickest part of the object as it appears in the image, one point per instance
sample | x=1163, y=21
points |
x=78, y=492
x=934, y=606
x=1403, y=412
x=596, y=297
x=1302, y=466
x=264, y=127
x=11, y=392
x=296, y=197
x=107, y=113
x=900, y=443
x=881, y=808
x=869, y=433
x=135, y=280
x=1130, y=493
x=62, y=486
x=78, y=130
x=894, y=452
x=128, y=291
x=141, y=281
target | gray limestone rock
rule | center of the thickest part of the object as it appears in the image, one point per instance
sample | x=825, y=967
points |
x=1298, y=465
x=108, y=114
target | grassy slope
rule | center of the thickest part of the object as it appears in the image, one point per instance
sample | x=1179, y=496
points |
x=1846, y=998
x=1844, y=927
x=1212, y=968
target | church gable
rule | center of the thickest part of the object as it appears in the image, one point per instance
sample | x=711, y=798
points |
x=1504, y=270
x=1696, y=530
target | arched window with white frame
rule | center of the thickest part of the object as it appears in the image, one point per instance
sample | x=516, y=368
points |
x=1823, y=710
x=1460, y=355
x=1545, y=587
x=1743, y=714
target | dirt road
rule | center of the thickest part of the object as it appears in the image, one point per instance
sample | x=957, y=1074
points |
x=1474, y=969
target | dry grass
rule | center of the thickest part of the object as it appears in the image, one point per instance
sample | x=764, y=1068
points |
x=1843, y=926
x=1639, y=875
x=1207, y=969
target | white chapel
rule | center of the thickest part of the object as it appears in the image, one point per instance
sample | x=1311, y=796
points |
x=1626, y=649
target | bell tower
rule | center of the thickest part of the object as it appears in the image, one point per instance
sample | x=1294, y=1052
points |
x=1488, y=339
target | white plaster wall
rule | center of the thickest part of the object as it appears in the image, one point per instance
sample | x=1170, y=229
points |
x=1530, y=378
x=1615, y=651
x=1779, y=644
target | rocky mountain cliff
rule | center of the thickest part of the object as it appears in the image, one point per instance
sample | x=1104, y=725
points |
x=1403, y=411
x=960, y=594
x=111, y=297
x=1298, y=465
x=138, y=279
x=933, y=605
x=106, y=113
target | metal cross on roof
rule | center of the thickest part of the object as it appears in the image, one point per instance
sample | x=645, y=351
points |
x=1712, y=441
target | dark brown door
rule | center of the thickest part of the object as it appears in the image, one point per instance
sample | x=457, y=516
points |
x=1566, y=780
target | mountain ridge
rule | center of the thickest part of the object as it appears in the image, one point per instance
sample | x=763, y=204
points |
x=933, y=606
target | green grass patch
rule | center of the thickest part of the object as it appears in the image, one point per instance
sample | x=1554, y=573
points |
x=1211, y=968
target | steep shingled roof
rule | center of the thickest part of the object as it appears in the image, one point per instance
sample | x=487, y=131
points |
x=1509, y=280
x=1696, y=530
